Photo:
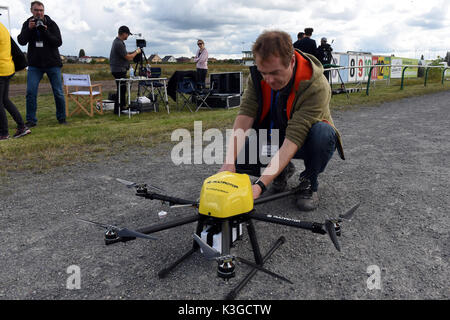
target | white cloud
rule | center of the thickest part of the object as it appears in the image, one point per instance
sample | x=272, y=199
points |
x=171, y=27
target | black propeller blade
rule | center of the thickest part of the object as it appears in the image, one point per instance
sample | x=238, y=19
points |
x=330, y=228
x=349, y=214
x=121, y=232
x=131, y=184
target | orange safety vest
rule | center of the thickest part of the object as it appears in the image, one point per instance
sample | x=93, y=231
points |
x=304, y=72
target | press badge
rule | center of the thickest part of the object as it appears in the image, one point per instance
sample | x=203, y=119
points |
x=39, y=44
x=269, y=150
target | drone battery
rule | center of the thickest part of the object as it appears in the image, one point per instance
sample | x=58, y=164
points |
x=213, y=237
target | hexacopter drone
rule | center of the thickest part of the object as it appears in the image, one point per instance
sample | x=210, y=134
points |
x=225, y=205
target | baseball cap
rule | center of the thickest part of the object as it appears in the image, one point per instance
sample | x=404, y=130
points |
x=124, y=29
x=324, y=39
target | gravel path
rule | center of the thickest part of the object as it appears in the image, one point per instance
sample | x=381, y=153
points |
x=397, y=167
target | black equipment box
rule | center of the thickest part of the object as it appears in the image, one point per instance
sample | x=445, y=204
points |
x=144, y=107
x=224, y=100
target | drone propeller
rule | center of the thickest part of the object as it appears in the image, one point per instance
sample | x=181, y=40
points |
x=121, y=232
x=332, y=225
x=330, y=228
x=131, y=184
x=349, y=214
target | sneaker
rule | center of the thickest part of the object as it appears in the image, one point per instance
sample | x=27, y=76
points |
x=307, y=200
x=4, y=137
x=62, y=121
x=22, y=132
x=280, y=183
x=30, y=124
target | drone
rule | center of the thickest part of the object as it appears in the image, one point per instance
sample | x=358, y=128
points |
x=225, y=205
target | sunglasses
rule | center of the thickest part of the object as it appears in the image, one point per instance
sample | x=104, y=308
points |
x=200, y=44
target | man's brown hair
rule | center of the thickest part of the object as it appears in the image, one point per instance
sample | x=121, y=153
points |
x=274, y=43
x=38, y=3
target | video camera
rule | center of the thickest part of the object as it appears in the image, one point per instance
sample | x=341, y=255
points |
x=141, y=43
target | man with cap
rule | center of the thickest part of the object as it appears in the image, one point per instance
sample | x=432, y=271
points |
x=324, y=54
x=119, y=62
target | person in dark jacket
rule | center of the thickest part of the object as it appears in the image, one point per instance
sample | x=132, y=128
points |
x=308, y=45
x=43, y=38
x=324, y=55
x=300, y=36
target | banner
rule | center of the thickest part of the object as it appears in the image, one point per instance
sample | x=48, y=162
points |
x=352, y=62
x=396, y=72
x=334, y=78
x=367, y=63
x=360, y=71
x=375, y=70
x=410, y=72
x=343, y=61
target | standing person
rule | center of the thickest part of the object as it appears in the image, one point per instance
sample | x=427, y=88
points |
x=201, y=58
x=119, y=63
x=308, y=45
x=43, y=38
x=300, y=36
x=287, y=94
x=324, y=54
x=7, y=71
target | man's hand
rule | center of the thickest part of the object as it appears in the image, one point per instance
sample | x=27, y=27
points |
x=228, y=167
x=138, y=50
x=31, y=24
x=256, y=191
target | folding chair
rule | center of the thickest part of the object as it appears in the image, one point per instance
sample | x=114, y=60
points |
x=192, y=93
x=85, y=100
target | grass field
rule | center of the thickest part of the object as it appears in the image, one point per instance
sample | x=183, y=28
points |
x=90, y=139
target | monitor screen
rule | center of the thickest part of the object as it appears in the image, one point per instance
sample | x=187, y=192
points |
x=227, y=82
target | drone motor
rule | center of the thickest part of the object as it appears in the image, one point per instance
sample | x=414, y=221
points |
x=226, y=267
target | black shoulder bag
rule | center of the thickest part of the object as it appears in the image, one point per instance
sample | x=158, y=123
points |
x=19, y=59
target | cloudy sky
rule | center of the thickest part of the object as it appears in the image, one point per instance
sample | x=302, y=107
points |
x=407, y=28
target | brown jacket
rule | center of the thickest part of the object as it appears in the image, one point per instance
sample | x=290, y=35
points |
x=311, y=105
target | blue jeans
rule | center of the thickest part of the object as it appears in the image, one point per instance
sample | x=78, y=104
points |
x=316, y=152
x=34, y=76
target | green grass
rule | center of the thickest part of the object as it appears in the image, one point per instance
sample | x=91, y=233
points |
x=89, y=139
x=99, y=72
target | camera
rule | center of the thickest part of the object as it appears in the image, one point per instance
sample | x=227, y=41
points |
x=141, y=43
x=39, y=23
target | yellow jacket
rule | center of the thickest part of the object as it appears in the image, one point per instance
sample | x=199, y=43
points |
x=6, y=62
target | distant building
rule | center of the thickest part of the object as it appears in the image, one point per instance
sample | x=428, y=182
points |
x=247, y=58
x=154, y=58
x=169, y=59
x=85, y=59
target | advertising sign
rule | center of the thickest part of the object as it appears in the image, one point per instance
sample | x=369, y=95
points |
x=352, y=62
x=396, y=70
x=334, y=74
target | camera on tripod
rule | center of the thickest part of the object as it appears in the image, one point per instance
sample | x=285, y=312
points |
x=141, y=43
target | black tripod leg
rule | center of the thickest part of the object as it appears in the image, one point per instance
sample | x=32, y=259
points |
x=164, y=272
x=233, y=294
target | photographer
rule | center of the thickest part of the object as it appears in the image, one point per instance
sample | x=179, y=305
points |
x=324, y=54
x=119, y=62
x=43, y=38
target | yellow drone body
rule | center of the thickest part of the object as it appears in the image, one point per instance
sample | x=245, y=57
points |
x=226, y=195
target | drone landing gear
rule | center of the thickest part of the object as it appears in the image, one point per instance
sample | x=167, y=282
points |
x=226, y=261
